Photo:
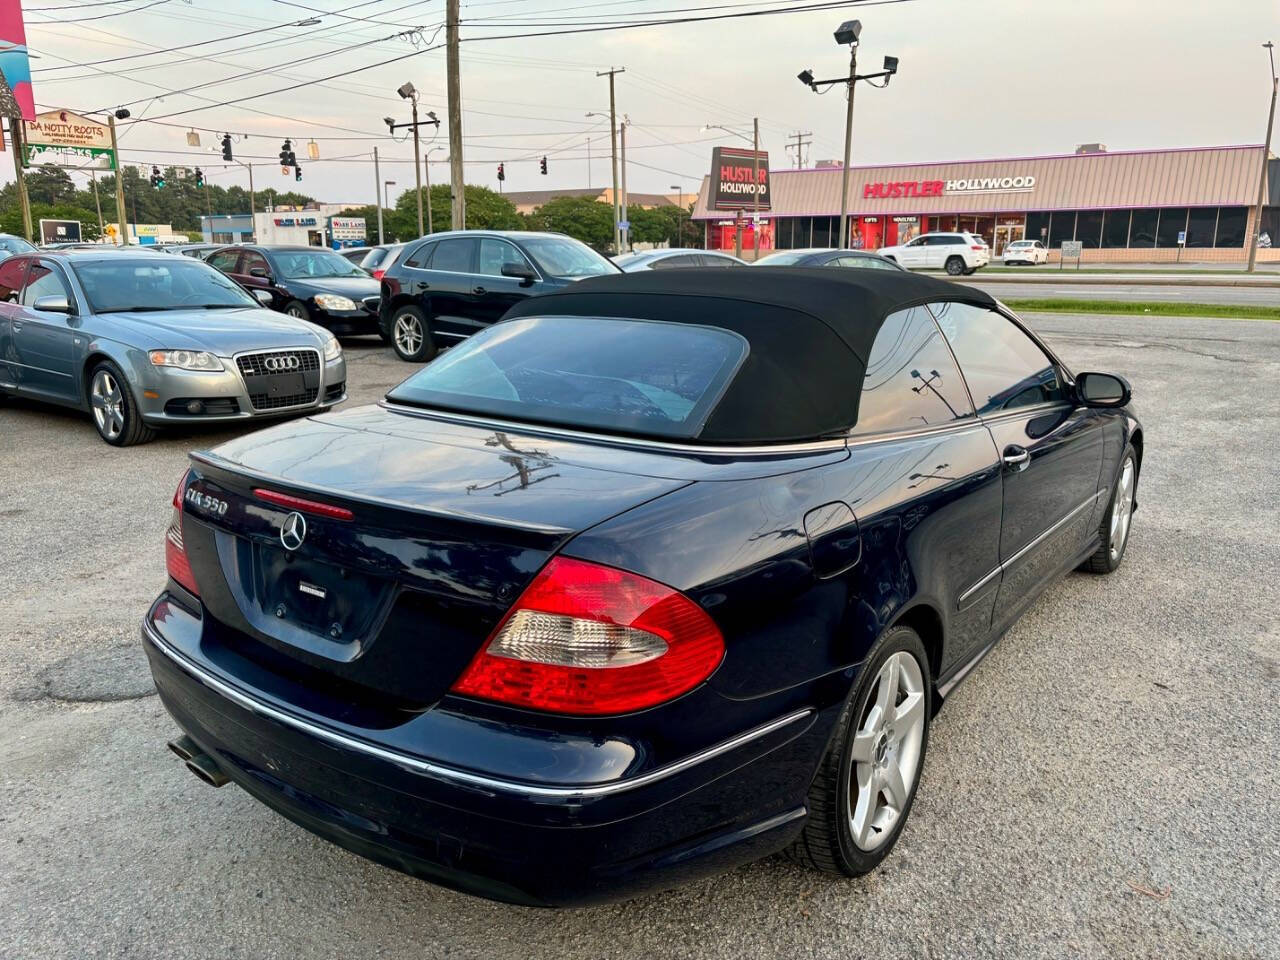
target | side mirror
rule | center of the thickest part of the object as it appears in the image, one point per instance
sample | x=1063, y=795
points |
x=260, y=272
x=1103, y=390
x=263, y=297
x=519, y=271
x=52, y=304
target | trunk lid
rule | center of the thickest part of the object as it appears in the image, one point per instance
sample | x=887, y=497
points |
x=447, y=525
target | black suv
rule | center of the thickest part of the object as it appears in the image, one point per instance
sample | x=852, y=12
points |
x=449, y=285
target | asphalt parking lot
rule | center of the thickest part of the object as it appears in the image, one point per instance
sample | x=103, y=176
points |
x=1105, y=784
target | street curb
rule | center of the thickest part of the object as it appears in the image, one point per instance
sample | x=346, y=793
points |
x=1094, y=279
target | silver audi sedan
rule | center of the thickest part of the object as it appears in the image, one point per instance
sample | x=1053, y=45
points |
x=148, y=340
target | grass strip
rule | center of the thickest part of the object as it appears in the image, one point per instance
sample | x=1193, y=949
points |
x=1162, y=308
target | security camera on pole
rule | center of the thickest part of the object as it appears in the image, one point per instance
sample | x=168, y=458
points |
x=849, y=33
x=408, y=92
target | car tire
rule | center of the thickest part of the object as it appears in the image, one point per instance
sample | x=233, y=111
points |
x=410, y=335
x=954, y=266
x=115, y=412
x=970, y=271
x=1117, y=520
x=852, y=838
x=296, y=308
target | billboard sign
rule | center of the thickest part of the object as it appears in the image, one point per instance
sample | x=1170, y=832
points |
x=16, y=100
x=62, y=132
x=733, y=182
x=60, y=231
x=347, y=228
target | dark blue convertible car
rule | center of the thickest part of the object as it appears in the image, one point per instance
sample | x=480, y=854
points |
x=663, y=573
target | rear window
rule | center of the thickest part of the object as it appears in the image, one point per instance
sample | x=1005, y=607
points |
x=621, y=376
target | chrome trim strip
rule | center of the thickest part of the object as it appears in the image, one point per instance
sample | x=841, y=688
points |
x=1005, y=565
x=463, y=777
x=543, y=430
x=28, y=366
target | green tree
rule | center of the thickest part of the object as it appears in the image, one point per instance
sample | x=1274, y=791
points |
x=11, y=219
x=50, y=185
x=582, y=218
x=486, y=210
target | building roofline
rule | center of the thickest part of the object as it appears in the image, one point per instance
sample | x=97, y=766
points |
x=1042, y=156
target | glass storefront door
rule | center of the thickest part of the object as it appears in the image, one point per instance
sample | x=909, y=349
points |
x=1006, y=233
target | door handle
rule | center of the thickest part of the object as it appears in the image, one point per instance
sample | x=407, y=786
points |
x=478, y=291
x=1016, y=458
x=17, y=325
x=423, y=285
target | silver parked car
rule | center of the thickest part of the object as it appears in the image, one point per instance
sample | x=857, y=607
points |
x=147, y=340
x=674, y=259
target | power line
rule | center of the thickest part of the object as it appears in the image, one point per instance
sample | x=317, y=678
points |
x=104, y=16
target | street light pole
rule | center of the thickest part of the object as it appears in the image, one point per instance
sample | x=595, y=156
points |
x=679, y=206
x=848, y=148
x=426, y=172
x=385, y=197
x=377, y=179
x=417, y=171
x=755, y=188
x=1266, y=150
x=613, y=153
x=624, y=232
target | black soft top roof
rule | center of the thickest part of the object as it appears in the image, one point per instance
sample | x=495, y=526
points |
x=810, y=331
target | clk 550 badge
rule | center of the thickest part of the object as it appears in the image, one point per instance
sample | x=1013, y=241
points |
x=205, y=502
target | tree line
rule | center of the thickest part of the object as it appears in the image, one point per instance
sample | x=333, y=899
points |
x=55, y=196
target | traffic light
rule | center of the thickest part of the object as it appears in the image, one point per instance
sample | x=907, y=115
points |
x=157, y=178
x=502, y=172
x=297, y=173
x=199, y=177
x=544, y=166
x=226, y=147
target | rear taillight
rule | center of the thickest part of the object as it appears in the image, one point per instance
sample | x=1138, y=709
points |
x=175, y=552
x=589, y=639
x=977, y=247
x=377, y=274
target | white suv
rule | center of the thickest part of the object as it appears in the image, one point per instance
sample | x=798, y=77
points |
x=956, y=253
x=1026, y=251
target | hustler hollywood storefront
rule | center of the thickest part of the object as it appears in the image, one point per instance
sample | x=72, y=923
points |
x=1143, y=205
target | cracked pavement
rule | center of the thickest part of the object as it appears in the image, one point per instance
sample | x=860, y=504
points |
x=1105, y=784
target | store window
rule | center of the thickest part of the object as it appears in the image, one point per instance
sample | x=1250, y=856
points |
x=1038, y=227
x=1142, y=232
x=1115, y=229
x=1232, y=222
x=1201, y=226
x=824, y=232
x=1089, y=228
x=1172, y=222
x=1061, y=227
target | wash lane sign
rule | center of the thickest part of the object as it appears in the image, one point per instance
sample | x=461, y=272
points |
x=734, y=182
x=58, y=134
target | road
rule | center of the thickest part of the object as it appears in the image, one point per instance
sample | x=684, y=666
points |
x=1104, y=785
x=1006, y=290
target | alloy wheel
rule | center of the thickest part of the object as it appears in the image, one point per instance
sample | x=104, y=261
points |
x=107, y=398
x=886, y=751
x=297, y=311
x=1122, y=510
x=408, y=334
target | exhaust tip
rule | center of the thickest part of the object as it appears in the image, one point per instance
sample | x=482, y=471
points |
x=204, y=767
x=184, y=747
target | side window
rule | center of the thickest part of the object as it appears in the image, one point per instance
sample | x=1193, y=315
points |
x=1004, y=368
x=420, y=256
x=709, y=260
x=911, y=380
x=494, y=254
x=255, y=261
x=11, y=274
x=45, y=280
x=454, y=256
x=225, y=260
x=676, y=262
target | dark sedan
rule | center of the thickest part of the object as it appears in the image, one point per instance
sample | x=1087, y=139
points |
x=828, y=257
x=631, y=586
x=306, y=282
x=448, y=286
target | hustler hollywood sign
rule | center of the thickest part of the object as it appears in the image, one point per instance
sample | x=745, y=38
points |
x=896, y=189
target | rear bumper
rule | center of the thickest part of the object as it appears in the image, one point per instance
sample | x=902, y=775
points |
x=545, y=844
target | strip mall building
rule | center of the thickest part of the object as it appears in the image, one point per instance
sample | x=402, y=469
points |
x=1121, y=206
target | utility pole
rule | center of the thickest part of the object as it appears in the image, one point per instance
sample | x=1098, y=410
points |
x=115, y=157
x=417, y=172
x=613, y=152
x=16, y=137
x=802, y=140
x=848, y=147
x=377, y=190
x=1266, y=150
x=426, y=173
x=97, y=202
x=755, y=188
x=588, y=163
x=456, y=179
x=625, y=232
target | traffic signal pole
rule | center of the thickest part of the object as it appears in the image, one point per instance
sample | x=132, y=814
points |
x=377, y=193
x=613, y=154
x=457, y=183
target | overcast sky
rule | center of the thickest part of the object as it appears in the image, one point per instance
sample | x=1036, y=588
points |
x=978, y=78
